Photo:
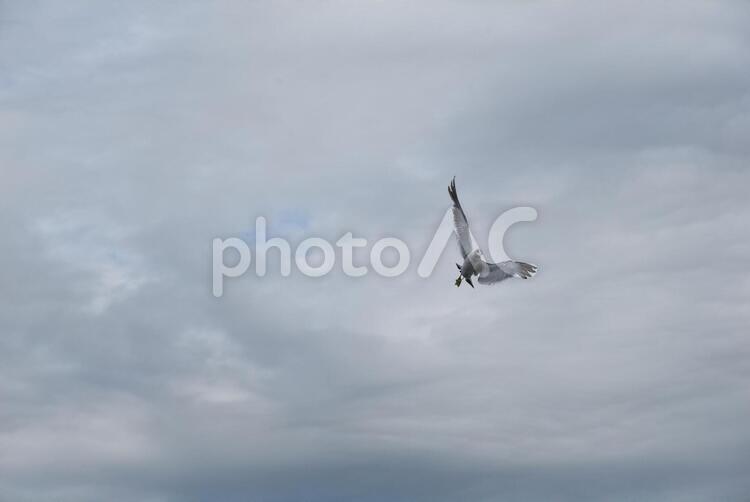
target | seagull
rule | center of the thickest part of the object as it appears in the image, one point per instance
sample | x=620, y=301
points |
x=474, y=261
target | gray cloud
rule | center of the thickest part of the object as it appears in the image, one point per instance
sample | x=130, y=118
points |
x=132, y=134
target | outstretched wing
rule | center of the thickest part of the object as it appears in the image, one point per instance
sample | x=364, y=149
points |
x=497, y=272
x=466, y=241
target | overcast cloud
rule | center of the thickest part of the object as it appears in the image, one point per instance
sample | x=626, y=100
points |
x=132, y=133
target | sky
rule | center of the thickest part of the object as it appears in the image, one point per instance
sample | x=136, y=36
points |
x=134, y=133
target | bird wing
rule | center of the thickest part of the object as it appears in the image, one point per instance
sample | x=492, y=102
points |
x=466, y=241
x=497, y=272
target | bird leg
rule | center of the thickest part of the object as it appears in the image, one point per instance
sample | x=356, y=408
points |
x=458, y=281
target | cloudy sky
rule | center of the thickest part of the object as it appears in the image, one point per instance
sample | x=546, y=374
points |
x=133, y=133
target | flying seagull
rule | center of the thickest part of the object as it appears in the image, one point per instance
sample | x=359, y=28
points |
x=474, y=261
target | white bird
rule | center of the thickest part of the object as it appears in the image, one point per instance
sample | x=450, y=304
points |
x=474, y=261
